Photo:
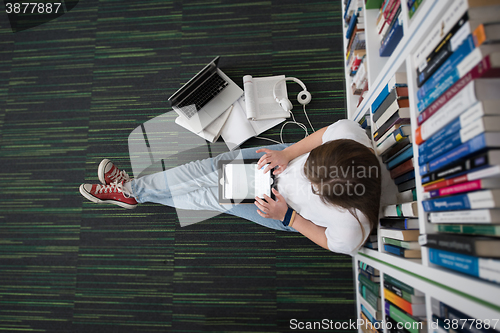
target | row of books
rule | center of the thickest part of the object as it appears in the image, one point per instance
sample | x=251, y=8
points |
x=401, y=303
x=458, y=138
x=356, y=47
x=389, y=26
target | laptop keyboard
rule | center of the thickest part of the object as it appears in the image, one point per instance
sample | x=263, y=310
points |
x=201, y=96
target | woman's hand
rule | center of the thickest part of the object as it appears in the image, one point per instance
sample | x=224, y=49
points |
x=273, y=158
x=272, y=209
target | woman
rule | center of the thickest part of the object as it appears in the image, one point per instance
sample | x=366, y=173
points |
x=329, y=186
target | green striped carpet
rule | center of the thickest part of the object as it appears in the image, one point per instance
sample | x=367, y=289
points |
x=71, y=91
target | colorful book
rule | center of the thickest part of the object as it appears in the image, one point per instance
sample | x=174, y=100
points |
x=404, y=235
x=391, y=40
x=413, y=326
x=475, y=111
x=480, y=162
x=404, y=244
x=403, y=286
x=376, y=314
x=374, y=287
x=369, y=268
x=483, y=172
x=474, y=200
x=403, y=223
x=478, y=126
x=402, y=252
x=370, y=297
x=395, y=150
x=408, y=307
x=473, y=185
x=391, y=140
x=486, y=269
x=394, y=120
x=389, y=132
x=369, y=276
x=472, y=246
x=480, y=142
x=400, y=158
x=397, y=93
x=398, y=80
x=479, y=216
x=402, y=169
x=449, y=314
x=404, y=294
x=471, y=229
x=407, y=209
x=484, y=69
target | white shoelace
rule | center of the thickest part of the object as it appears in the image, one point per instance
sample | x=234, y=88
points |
x=113, y=187
x=119, y=176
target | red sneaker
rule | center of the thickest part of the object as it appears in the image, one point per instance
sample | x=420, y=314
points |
x=113, y=194
x=108, y=173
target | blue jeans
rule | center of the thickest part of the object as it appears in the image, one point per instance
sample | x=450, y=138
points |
x=193, y=186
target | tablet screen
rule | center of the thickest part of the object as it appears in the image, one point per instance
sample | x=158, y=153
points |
x=245, y=181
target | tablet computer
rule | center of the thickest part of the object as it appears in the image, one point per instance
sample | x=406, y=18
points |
x=240, y=181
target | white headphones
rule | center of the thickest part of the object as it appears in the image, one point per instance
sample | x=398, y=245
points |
x=304, y=97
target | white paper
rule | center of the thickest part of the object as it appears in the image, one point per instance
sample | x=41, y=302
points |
x=212, y=132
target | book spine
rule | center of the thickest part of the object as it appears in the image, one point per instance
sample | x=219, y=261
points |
x=399, y=284
x=368, y=268
x=467, y=216
x=368, y=314
x=404, y=178
x=394, y=120
x=410, y=184
x=370, y=297
x=373, y=286
x=399, y=148
x=392, y=39
x=394, y=250
x=445, y=76
x=401, y=317
x=493, y=171
x=453, y=243
x=398, y=301
x=404, y=156
x=402, y=169
x=455, y=261
x=485, y=230
x=474, y=200
x=448, y=67
x=459, y=152
x=385, y=104
x=482, y=69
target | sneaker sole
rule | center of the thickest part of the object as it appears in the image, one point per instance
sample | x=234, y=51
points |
x=90, y=197
x=100, y=170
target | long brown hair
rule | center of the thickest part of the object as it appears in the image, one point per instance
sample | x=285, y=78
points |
x=346, y=173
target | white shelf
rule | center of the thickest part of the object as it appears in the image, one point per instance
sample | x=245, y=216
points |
x=477, y=298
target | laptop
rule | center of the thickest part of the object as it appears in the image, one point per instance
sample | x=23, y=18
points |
x=205, y=97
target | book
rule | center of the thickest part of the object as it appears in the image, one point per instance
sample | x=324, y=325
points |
x=398, y=80
x=472, y=200
x=403, y=286
x=479, y=216
x=477, y=110
x=402, y=252
x=399, y=223
x=445, y=313
x=392, y=38
x=399, y=106
x=396, y=150
x=405, y=178
x=406, y=196
x=259, y=100
x=404, y=156
x=410, y=184
x=374, y=287
x=473, y=185
x=473, y=246
x=492, y=52
x=483, y=268
x=370, y=297
x=393, y=327
x=404, y=235
x=376, y=314
x=487, y=32
x=212, y=132
x=403, y=293
x=470, y=229
x=476, y=144
x=374, y=278
x=391, y=140
x=390, y=131
x=476, y=13
x=483, y=163
x=403, y=244
x=417, y=309
x=369, y=268
x=413, y=325
x=395, y=94
x=402, y=169
x=366, y=325
x=443, y=50
x=407, y=209
x=239, y=129
x=393, y=120
x=476, y=127
x=435, y=80
x=483, y=69
x=371, y=245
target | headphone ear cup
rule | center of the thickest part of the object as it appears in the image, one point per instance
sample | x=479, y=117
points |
x=286, y=104
x=304, y=97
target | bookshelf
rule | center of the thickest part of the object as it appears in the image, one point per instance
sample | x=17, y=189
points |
x=479, y=299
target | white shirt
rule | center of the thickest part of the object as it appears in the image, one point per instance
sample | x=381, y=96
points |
x=343, y=231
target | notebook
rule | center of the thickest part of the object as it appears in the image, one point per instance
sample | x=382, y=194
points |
x=240, y=181
x=205, y=97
